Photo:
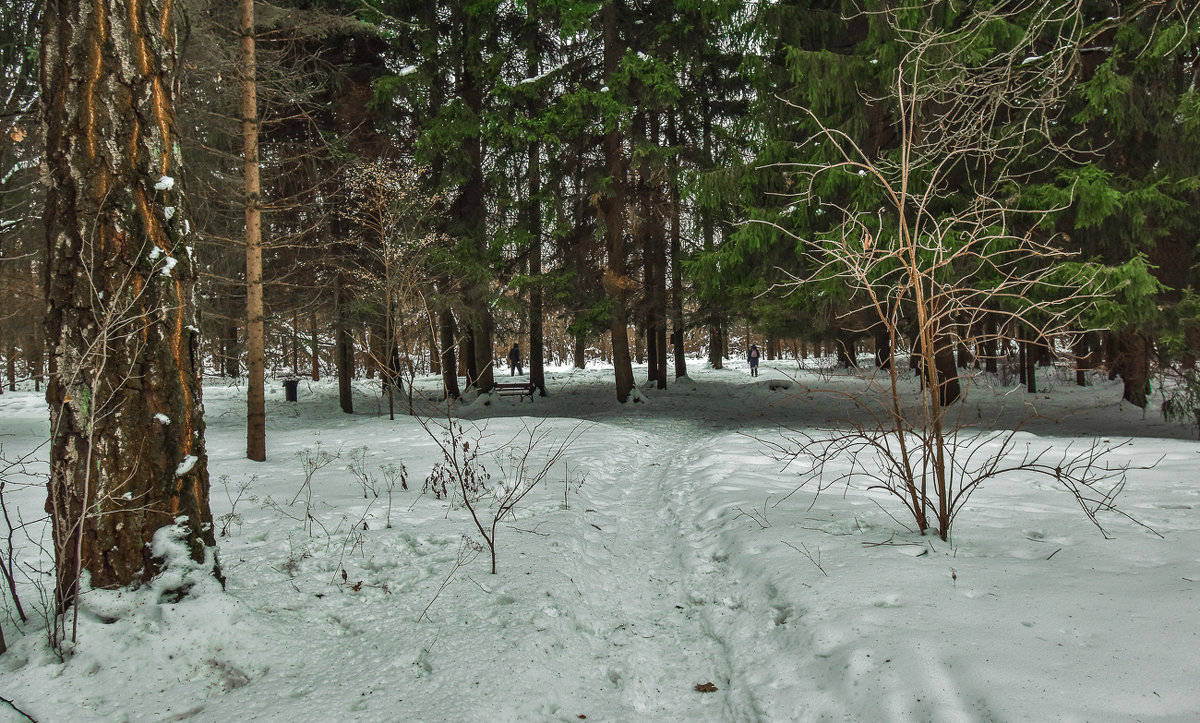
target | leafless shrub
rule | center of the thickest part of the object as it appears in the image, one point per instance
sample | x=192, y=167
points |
x=233, y=517
x=463, y=477
x=957, y=261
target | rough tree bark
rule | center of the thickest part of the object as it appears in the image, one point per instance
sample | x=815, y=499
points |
x=256, y=400
x=127, y=453
x=611, y=207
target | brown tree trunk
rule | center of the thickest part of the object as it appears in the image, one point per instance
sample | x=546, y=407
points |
x=1133, y=364
x=883, y=346
x=1021, y=364
x=537, y=348
x=989, y=345
x=448, y=332
x=10, y=364
x=947, y=374
x=431, y=340
x=1030, y=357
x=314, y=349
x=295, y=343
x=612, y=208
x=256, y=411
x=846, y=356
x=677, y=322
x=231, y=358
x=580, y=351
x=343, y=350
x=1083, y=360
x=37, y=361
x=127, y=454
x=468, y=355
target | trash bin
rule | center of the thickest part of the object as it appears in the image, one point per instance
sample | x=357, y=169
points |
x=289, y=389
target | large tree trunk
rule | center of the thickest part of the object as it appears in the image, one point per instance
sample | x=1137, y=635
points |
x=612, y=208
x=256, y=411
x=127, y=453
x=1132, y=362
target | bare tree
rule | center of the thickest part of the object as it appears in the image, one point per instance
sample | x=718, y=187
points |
x=953, y=241
x=396, y=223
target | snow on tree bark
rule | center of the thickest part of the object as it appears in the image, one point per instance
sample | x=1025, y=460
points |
x=121, y=329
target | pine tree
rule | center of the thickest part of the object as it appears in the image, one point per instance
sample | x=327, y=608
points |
x=127, y=430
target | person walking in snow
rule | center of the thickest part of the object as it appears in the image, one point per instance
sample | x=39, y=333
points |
x=514, y=360
x=752, y=356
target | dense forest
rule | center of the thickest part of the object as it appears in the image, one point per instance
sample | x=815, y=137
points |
x=617, y=179
x=390, y=189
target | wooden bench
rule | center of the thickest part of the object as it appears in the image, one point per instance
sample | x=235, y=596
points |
x=524, y=389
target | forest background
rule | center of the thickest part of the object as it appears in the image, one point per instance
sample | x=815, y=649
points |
x=439, y=180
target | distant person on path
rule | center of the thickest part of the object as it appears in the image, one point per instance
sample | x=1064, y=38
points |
x=753, y=357
x=514, y=360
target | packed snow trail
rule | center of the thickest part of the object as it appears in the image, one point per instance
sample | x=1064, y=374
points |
x=630, y=570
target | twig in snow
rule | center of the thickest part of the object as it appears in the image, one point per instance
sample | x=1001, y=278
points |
x=14, y=707
x=803, y=550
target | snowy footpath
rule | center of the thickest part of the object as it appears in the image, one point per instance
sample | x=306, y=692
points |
x=668, y=571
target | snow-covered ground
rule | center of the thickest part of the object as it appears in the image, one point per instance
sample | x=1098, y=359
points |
x=664, y=554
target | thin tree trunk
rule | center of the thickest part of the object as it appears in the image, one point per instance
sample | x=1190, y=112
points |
x=38, y=360
x=314, y=347
x=343, y=350
x=990, y=351
x=1030, y=367
x=448, y=332
x=677, y=323
x=468, y=355
x=431, y=340
x=1021, y=365
x=256, y=414
x=537, y=350
x=1083, y=360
